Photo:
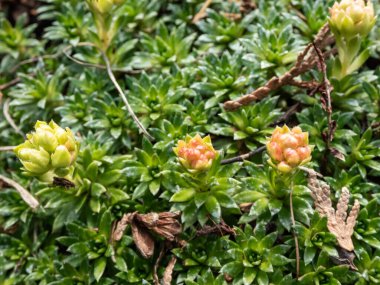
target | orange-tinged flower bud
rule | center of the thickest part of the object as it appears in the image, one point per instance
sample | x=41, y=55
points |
x=195, y=154
x=288, y=141
x=288, y=148
x=291, y=156
x=275, y=151
x=304, y=152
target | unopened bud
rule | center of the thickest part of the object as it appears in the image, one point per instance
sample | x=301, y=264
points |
x=47, y=149
x=195, y=154
x=350, y=18
x=288, y=148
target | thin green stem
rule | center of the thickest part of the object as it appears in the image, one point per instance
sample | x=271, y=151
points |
x=118, y=88
x=294, y=231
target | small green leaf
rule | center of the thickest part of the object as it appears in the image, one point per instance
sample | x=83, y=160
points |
x=233, y=268
x=225, y=200
x=183, y=195
x=140, y=190
x=97, y=189
x=248, y=196
x=274, y=206
x=105, y=223
x=262, y=278
x=154, y=186
x=309, y=254
x=99, y=267
x=213, y=207
x=249, y=275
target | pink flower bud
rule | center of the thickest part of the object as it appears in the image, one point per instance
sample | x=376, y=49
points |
x=275, y=151
x=291, y=156
x=288, y=148
x=288, y=141
x=304, y=152
x=195, y=153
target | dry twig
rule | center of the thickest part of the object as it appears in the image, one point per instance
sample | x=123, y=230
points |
x=341, y=226
x=202, y=12
x=219, y=229
x=247, y=6
x=113, y=79
x=7, y=148
x=10, y=83
x=9, y=118
x=157, y=264
x=243, y=156
x=326, y=97
x=25, y=195
x=306, y=60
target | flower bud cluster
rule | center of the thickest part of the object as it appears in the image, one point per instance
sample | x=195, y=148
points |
x=195, y=153
x=49, y=148
x=288, y=148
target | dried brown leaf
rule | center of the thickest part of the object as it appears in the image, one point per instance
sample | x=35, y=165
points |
x=143, y=239
x=164, y=224
x=167, y=277
x=120, y=227
x=337, y=222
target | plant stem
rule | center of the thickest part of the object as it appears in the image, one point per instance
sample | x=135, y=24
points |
x=9, y=118
x=7, y=148
x=294, y=232
x=243, y=156
x=25, y=195
x=117, y=86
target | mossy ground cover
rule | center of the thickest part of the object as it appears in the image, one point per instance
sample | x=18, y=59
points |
x=189, y=142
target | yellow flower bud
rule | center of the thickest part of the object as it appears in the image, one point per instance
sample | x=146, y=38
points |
x=35, y=161
x=47, y=149
x=195, y=154
x=350, y=18
x=288, y=148
x=103, y=6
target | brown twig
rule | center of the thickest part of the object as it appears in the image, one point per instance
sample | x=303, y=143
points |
x=63, y=182
x=9, y=118
x=327, y=92
x=65, y=51
x=304, y=84
x=7, y=148
x=306, y=60
x=247, y=6
x=25, y=195
x=288, y=113
x=310, y=171
x=114, y=81
x=232, y=16
x=157, y=264
x=219, y=229
x=243, y=156
x=10, y=83
x=202, y=11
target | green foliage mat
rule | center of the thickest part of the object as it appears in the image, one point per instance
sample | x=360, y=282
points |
x=176, y=73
